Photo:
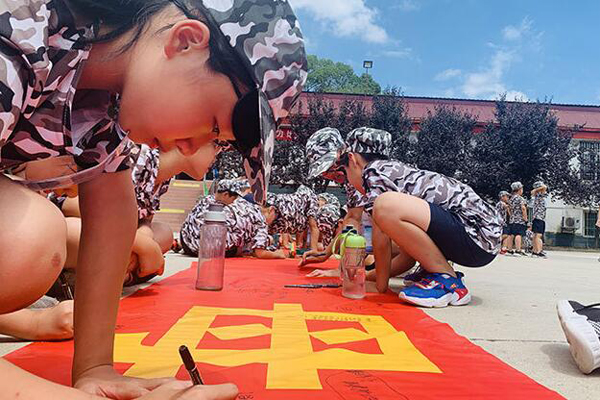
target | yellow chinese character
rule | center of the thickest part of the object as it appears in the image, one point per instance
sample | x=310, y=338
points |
x=292, y=362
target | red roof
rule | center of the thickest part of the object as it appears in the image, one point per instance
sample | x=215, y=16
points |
x=568, y=115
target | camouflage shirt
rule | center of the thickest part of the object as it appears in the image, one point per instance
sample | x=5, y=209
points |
x=480, y=219
x=516, y=212
x=247, y=227
x=539, y=206
x=190, y=230
x=294, y=210
x=328, y=218
x=144, y=174
x=502, y=209
x=41, y=115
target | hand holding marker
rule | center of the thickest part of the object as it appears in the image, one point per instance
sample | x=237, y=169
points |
x=190, y=365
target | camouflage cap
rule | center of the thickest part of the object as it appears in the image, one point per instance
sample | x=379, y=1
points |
x=330, y=199
x=266, y=35
x=516, y=186
x=538, y=184
x=503, y=193
x=225, y=185
x=322, y=151
x=369, y=141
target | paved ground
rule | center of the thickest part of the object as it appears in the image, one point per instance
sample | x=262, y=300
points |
x=512, y=315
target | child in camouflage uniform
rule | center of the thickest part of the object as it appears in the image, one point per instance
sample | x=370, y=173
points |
x=78, y=78
x=151, y=176
x=538, y=196
x=430, y=217
x=294, y=213
x=328, y=217
x=323, y=150
x=247, y=229
x=518, y=219
x=503, y=211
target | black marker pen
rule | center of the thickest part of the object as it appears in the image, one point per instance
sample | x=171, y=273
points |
x=190, y=365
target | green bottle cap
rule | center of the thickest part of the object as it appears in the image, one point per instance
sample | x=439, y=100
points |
x=355, y=242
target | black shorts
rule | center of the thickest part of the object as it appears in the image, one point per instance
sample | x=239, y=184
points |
x=448, y=233
x=538, y=226
x=186, y=250
x=518, y=229
x=506, y=230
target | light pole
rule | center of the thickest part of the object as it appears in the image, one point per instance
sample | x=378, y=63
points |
x=367, y=65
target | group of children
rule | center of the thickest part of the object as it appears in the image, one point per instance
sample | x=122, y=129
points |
x=519, y=234
x=252, y=228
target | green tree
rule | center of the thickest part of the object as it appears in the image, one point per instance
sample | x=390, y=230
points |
x=523, y=144
x=390, y=113
x=445, y=142
x=325, y=75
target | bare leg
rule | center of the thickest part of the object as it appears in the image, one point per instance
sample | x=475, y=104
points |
x=504, y=242
x=32, y=244
x=405, y=219
x=509, y=242
x=54, y=323
x=163, y=235
x=73, y=233
x=518, y=243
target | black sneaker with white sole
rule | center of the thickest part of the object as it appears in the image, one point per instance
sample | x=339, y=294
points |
x=581, y=325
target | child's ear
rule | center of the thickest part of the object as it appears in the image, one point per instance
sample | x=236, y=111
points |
x=185, y=36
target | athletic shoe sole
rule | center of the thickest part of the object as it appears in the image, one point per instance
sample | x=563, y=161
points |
x=451, y=299
x=584, y=343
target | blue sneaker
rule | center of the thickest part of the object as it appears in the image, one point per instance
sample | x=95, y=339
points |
x=437, y=290
x=414, y=277
x=419, y=274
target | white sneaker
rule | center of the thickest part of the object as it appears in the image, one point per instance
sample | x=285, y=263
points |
x=581, y=325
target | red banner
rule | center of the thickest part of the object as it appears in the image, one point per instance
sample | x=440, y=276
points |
x=287, y=343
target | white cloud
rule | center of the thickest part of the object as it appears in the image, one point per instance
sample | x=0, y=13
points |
x=346, y=18
x=513, y=33
x=407, y=5
x=401, y=53
x=448, y=74
x=489, y=82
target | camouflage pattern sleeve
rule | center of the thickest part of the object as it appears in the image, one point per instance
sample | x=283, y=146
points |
x=12, y=89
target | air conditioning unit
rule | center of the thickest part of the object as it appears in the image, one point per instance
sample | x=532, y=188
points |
x=570, y=223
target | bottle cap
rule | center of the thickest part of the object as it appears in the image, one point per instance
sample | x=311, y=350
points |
x=355, y=242
x=215, y=213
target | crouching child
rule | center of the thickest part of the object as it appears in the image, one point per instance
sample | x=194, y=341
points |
x=433, y=219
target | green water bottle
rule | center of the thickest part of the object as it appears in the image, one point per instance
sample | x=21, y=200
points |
x=353, y=266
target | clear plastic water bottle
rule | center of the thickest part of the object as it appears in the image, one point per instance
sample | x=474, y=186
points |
x=353, y=266
x=211, y=249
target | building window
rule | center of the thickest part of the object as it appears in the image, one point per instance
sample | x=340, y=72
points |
x=590, y=163
x=589, y=226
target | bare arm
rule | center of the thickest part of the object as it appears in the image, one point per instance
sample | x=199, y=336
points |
x=314, y=234
x=269, y=255
x=17, y=383
x=524, y=210
x=382, y=250
x=109, y=223
x=354, y=217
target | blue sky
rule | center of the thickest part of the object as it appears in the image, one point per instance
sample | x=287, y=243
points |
x=533, y=49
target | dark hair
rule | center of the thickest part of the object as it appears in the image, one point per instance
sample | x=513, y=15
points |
x=228, y=192
x=124, y=16
x=368, y=157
